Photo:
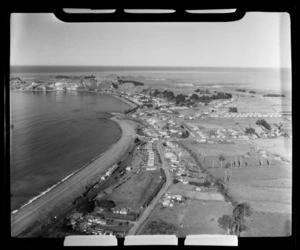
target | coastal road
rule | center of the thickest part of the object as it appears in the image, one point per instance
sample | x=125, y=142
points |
x=137, y=225
x=74, y=186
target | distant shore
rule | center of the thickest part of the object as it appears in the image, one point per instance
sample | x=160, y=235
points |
x=69, y=188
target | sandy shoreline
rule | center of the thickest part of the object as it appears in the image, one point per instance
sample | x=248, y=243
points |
x=125, y=100
x=74, y=186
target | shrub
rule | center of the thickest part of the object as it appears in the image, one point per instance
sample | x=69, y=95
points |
x=185, y=134
x=175, y=181
x=233, y=109
x=250, y=131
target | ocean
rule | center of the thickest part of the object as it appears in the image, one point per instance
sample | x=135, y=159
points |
x=274, y=79
x=54, y=134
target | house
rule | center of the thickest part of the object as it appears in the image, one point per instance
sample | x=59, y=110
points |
x=178, y=197
x=124, y=210
x=166, y=203
x=150, y=168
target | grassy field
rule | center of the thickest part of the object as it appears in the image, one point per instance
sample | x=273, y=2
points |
x=134, y=192
x=202, y=217
x=262, y=104
x=281, y=146
x=159, y=227
x=194, y=217
x=217, y=149
x=277, y=225
x=213, y=123
x=266, y=188
x=190, y=192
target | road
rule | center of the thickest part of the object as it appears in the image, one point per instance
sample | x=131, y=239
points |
x=150, y=207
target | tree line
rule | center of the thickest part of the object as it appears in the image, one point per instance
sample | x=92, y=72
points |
x=135, y=83
x=181, y=99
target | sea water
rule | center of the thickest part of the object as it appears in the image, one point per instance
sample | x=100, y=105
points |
x=54, y=134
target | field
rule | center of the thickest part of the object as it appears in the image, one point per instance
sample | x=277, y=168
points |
x=216, y=123
x=135, y=191
x=277, y=225
x=262, y=104
x=193, y=217
x=266, y=188
x=217, y=149
x=202, y=217
x=190, y=192
x=281, y=146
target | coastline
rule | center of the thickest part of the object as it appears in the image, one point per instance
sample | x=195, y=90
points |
x=43, y=192
x=74, y=184
x=68, y=176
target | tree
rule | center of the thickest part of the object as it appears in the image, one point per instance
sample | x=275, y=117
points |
x=242, y=210
x=227, y=223
x=115, y=85
x=105, y=203
x=195, y=97
x=263, y=123
x=235, y=223
x=221, y=159
x=228, y=174
x=233, y=109
x=185, y=134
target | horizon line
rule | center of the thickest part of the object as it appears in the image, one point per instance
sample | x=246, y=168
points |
x=147, y=66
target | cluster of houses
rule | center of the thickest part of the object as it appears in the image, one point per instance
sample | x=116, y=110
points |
x=163, y=125
x=220, y=103
x=88, y=223
x=122, y=210
x=169, y=199
x=260, y=151
x=180, y=162
x=252, y=115
x=151, y=157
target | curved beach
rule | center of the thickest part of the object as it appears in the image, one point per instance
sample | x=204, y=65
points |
x=75, y=185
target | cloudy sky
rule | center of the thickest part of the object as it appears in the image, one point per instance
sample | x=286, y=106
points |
x=258, y=40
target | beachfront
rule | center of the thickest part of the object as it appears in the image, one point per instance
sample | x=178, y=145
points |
x=71, y=188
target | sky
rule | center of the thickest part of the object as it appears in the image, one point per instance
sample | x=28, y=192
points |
x=258, y=40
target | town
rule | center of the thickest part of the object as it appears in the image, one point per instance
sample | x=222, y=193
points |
x=187, y=148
